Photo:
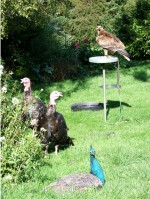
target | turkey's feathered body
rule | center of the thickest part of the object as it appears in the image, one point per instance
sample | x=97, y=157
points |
x=56, y=128
x=34, y=109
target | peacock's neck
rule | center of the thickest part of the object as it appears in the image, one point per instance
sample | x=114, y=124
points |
x=92, y=158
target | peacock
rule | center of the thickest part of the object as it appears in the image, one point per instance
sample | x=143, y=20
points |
x=34, y=109
x=81, y=181
x=55, y=125
x=96, y=168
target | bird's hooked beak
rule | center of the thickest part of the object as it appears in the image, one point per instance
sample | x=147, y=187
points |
x=99, y=27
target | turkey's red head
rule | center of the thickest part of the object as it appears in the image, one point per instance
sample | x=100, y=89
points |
x=26, y=82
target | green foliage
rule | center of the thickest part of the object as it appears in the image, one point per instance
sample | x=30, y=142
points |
x=54, y=55
x=37, y=12
x=83, y=17
x=31, y=41
x=21, y=152
x=140, y=47
x=135, y=27
x=38, y=38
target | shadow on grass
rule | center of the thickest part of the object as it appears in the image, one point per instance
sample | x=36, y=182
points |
x=141, y=75
x=61, y=146
x=138, y=69
x=115, y=104
x=75, y=85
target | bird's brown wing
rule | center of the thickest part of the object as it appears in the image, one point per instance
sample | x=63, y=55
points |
x=109, y=41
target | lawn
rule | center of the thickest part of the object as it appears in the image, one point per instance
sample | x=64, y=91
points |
x=124, y=154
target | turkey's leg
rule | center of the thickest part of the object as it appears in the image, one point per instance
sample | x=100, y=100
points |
x=46, y=149
x=56, y=149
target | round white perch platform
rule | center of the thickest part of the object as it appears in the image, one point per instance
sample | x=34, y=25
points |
x=103, y=60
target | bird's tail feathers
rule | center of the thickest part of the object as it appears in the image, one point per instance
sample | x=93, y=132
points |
x=124, y=53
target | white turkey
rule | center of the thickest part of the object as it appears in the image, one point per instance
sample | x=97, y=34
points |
x=55, y=125
x=34, y=109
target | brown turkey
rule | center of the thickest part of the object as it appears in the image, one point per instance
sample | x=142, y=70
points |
x=34, y=109
x=55, y=126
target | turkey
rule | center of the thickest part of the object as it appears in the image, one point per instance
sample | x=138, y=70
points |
x=55, y=125
x=34, y=109
x=81, y=181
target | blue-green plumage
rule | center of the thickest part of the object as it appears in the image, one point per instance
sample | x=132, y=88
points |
x=95, y=167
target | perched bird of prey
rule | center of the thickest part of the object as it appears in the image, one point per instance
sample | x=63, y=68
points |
x=96, y=168
x=110, y=42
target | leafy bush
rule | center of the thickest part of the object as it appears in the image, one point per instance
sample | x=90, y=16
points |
x=21, y=151
x=42, y=45
x=140, y=46
x=135, y=27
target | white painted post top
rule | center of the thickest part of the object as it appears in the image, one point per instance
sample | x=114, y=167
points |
x=103, y=59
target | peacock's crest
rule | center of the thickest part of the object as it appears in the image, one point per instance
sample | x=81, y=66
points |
x=92, y=150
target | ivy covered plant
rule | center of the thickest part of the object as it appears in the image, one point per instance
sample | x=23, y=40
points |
x=21, y=152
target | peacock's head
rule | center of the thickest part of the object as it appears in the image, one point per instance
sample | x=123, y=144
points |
x=54, y=96
x=92, y=151
x=26, y=82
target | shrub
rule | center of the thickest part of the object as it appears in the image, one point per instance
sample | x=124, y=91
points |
x=21, y=151
x=134, y=30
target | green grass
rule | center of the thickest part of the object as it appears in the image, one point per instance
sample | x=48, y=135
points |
x=125, y=157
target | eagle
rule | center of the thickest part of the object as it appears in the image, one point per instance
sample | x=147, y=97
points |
x=110, y=43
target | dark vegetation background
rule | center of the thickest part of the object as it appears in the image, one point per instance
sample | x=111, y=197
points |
x=51, y=40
